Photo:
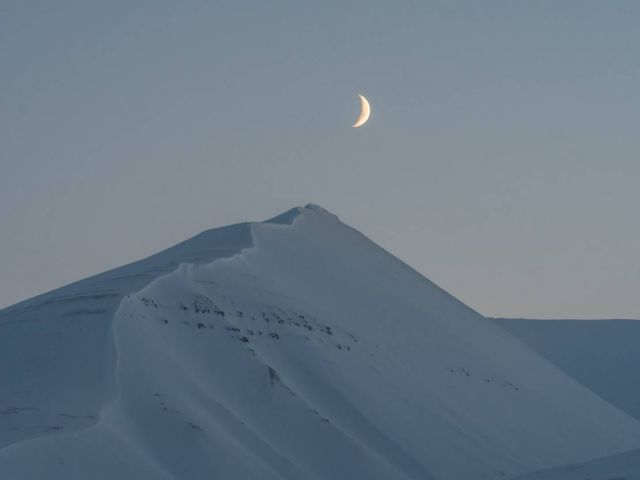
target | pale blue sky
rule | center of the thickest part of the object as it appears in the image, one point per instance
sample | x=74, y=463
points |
x=501, y=159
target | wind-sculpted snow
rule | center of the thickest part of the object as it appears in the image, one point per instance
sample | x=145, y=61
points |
x=291, y=349
x=56, y=350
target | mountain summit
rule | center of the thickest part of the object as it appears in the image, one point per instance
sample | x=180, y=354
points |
x=291, y=349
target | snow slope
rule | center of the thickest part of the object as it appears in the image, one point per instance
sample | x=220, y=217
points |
x=289, y=349
x=603, y=355
x=57, y=369
x=624, y=466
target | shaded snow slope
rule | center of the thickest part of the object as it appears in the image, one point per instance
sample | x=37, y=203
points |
x=293, y=349
x=624, y=466
x=603, y=355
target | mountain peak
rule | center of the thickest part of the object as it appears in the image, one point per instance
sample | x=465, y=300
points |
x=287, y=218
x=318, y=209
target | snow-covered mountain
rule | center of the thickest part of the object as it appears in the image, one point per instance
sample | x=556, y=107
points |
x=290, y=349
x=603, y=355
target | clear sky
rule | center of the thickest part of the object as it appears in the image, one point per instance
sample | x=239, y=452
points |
x=501, y=159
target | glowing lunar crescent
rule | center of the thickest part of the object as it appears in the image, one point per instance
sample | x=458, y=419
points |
x=365, y=111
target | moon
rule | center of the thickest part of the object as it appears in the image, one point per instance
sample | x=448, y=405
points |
x=365, y=111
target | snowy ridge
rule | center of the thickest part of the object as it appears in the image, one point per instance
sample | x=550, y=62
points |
x=294, y=348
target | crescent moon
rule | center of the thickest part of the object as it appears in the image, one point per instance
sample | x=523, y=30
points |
x=365, y=111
